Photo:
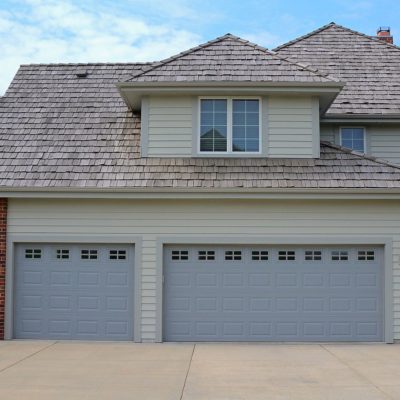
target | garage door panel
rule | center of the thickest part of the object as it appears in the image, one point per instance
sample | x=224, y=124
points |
x=74, y=296
x=273, y=294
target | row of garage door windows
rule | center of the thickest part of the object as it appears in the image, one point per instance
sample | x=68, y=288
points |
x=86, y=254
x=209, y=255
x=263, y=255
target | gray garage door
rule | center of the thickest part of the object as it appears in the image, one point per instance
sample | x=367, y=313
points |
x=273, y=294
x=74, y=292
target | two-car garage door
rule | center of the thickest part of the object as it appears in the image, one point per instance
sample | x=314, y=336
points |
x=263, y=293
x=74, y=291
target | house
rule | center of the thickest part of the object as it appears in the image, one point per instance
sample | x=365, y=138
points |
x=228, y=193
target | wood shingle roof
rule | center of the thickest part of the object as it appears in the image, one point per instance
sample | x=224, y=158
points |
x=61, y=131
x=369, y=66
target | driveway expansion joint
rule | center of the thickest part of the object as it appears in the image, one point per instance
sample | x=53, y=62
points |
x=187, y=372
x=358, y=373
x=27, y=357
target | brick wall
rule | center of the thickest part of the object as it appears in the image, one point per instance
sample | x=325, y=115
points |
x=3, y=232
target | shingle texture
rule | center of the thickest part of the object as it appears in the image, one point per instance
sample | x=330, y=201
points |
x=228, y=58
x=57, y=130
x=370, y=68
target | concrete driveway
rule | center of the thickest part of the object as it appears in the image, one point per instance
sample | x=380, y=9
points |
x=75, y=370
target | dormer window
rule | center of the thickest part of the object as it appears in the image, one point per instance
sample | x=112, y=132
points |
x=353, y=138
x=230, y=125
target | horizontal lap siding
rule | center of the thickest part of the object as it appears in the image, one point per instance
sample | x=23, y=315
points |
x=328, y=133
x=290, y=127
x=229, y=218
x=170, y=126
x=384, y=142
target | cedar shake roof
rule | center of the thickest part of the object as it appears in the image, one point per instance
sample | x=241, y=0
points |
x=229, y=58
x=61, y=131
x=369, y=66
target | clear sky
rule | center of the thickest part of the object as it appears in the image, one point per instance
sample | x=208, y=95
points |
x=51, y=31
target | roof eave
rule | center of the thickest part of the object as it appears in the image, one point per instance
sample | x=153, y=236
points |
x=367, y=118
x=133, y=92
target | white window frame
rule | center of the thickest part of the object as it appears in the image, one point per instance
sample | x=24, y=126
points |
x=229, y=126
x=354, y=127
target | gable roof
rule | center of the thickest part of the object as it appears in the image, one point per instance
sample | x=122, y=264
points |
x=228, y=58
x=369, y=66
x=60, y=131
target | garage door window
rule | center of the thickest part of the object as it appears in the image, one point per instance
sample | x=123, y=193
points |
x=289, y=255
x=366, y=255
x=206, y=255
x=117, y=254
x=33, y=253
x=259, y=255
x=89, y=254
x=313, y=255
x=340, y=255
x=180, y=255
x=233, y=255
x=62, y=254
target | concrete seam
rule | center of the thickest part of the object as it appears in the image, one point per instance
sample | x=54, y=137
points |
x=187, y=372
x=357, y=372
x=27, y=357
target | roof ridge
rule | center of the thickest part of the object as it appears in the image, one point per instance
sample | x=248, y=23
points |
x=182, y=53
x=307, y=35
x=333, y=24
x=286, y=59
x=239, y=39
x=360, y=155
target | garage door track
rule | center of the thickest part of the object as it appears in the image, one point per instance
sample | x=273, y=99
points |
x=88, y=371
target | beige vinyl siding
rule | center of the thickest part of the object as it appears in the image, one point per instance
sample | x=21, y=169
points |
x=291, y=127
x=384, y=142
x=212, y=219
x=169, y=126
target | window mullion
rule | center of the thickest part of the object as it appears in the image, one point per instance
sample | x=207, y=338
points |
x=229, y=125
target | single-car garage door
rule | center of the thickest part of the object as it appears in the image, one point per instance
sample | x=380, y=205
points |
x=262, y=293
x=74, y=291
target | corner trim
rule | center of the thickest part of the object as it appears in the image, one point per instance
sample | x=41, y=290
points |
x=316, y=148
x=144, y=127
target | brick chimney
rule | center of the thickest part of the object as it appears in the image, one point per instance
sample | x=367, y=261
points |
x=383, y=33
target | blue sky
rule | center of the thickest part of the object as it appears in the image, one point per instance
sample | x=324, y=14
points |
x=45, y=31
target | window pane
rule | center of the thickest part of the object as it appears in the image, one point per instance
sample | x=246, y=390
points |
x=252, y=119
x=252, y=106
x=220, y=119
x=239, y=132
x=207, y=118
x=220, y=105
x=213, y=125
x=245, y=129
x=239, y=106
x=220, y=145
x=252, y=132
x=239, y=145
x=207, y=105
x=239, y=118
x=353, y=138
x=252, y=145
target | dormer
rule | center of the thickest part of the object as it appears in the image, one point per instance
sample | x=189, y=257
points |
x=229, y=98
